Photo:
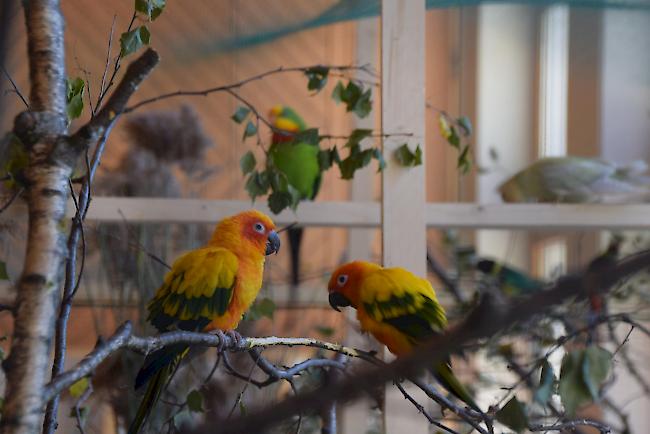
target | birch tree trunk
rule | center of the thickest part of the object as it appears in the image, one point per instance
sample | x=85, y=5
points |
x=42, y=129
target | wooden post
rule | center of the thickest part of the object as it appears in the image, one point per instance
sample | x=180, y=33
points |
x=403, y=189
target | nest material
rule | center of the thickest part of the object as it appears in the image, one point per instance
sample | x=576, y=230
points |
x=172, y=136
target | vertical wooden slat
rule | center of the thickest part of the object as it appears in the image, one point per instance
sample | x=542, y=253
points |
x=403, y=105
x=356, y=417
x=403, y=189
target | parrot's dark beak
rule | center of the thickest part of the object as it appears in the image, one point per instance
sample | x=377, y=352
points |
x=272, y=243
x=338, y=300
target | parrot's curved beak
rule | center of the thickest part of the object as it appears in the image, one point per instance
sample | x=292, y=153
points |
x=272, y=243
x=338, y=300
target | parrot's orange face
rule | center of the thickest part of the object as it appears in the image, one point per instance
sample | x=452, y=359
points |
x=345, y=283
x=251, y=227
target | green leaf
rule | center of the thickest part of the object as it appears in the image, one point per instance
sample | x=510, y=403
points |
x=325, y=331
x=3, y=271
x=546, y=382
x=240, y=114
x=572, y=388
x=454, y=139
x=79, y=387
x=195, y=401
x=357, y=159
x=132, y=41
x=279, y=200
x=408, y=158
x=317, y=77
x=357, y=136
x=595, y=367
x=324, y=159
x=377, y=155
x=247, y=162
x=257, y=184
x=513, y=415
x=309, y=136
x=494, y=154
x=250, y=130
x=355, y=98
x=465, y=125
x=278, y=180
x=445, y=131
x=74, y=97
x=151, y=8
x=464, y=163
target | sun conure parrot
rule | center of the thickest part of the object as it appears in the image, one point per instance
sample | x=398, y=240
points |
x=206, y=289
x=577, y=179
x=511, y=281
x=398, y=308
x=299, y=162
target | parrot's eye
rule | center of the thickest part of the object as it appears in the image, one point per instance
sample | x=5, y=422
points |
x=259, y=228
x=342, y=279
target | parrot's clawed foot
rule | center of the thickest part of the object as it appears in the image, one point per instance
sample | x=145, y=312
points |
x=236, y=337
x=222, y=339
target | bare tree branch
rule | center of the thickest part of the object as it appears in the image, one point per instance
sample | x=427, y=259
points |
x=572, y=425
x=123, y=338
x=237, y=85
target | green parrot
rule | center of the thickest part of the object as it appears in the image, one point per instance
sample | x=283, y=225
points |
x=513, y=282
x=299, y=162
x=577, y=180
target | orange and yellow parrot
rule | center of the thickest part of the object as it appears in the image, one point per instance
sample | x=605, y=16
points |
x=398, y=308
x=209, y=288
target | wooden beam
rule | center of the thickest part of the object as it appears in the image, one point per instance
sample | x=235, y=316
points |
x=403, y=189
x=367, y=214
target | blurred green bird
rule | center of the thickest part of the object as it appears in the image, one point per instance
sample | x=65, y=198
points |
x=578, y=180
x=512, y=282
x=299, y=162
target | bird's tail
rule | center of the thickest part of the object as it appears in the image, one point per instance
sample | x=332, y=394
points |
x=157, y=370
x=295, y=238
x=446, y=377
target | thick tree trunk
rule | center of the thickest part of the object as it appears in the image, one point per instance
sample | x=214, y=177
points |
x=42, y=131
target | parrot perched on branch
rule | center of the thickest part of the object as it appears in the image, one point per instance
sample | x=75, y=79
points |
x=299, y=162
x=206, y=289
x=511, y=281
x=577, y=180
x=398, y=308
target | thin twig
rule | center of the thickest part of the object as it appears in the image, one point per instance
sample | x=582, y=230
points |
x=17, y=192
x=422, y=410
x=16, y=90
x=77, y=406
x=442, y=275
x=108, y=62
x=118, y=64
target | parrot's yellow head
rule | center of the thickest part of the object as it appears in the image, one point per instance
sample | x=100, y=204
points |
x=345, y=283
x=246, y=231
x=285, y=122
x=280, y=118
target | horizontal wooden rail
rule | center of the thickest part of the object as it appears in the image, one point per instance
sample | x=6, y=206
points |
x=367, y=215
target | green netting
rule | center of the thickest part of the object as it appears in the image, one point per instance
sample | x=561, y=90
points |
x=324, y=13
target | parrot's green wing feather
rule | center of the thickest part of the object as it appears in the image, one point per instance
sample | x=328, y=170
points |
x=198, y=289
x=413, y=314
x=409, y=304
